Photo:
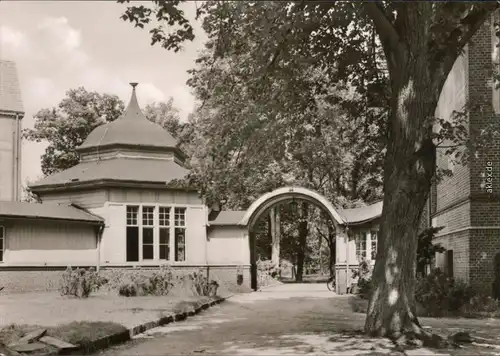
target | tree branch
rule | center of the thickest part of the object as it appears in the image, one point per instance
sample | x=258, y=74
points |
x=385, y=29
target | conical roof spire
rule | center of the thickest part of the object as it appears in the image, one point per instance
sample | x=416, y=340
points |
x=133, y=109
x=130, y=129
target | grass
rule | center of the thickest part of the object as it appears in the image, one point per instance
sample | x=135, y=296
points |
x=82, y=334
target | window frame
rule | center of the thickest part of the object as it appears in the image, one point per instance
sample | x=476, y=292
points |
x=180, y=225
x=373, y=241
x=361, y=239
x=2, y=243
x=163, y=217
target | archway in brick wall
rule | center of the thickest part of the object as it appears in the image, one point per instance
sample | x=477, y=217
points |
x=281, y=195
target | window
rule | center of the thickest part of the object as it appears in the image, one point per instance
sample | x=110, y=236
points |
x=164, y=216
x=132, y=234
x=361, y=245
x=374, y=245
x=449, y=263
x=2, y=242
x=156, y=233
x=148, y=232
x=180, y=233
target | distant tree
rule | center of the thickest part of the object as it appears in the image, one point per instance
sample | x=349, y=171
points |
x=66, y=126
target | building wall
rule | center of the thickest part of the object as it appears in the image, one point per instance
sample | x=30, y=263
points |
x=228, y=245
x=113, y=243
x=44, y=243
x=10, y=157
x=468, y=204
x=138, y=196
x=87, y=199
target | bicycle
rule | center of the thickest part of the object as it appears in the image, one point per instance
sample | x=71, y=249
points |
x=330, y=284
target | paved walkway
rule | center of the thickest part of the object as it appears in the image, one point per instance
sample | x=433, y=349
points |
x=290, y=319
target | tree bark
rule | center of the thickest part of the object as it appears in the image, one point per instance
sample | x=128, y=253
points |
x=333, y=251
x=301, y=253
x=409, y=167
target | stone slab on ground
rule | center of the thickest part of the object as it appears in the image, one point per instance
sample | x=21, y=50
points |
x=60, y=344
x=34, y=346
x=32, y=336
x=422, y=351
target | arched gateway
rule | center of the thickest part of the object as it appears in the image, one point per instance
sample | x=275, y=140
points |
x=280, y=195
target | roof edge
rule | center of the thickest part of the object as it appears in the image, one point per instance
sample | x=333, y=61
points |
x=101, y=183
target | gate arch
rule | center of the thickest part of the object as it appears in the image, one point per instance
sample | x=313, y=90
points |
x=268, y=200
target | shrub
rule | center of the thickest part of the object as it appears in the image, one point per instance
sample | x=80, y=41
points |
x=481, y=305
x=364, y=276
x=159, y=283
x=440, y=294
x=201, y=285
x=80, y=282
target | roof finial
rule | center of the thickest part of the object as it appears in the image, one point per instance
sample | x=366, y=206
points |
x=133, y=85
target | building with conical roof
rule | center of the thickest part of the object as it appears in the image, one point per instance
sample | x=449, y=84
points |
x=122, y=206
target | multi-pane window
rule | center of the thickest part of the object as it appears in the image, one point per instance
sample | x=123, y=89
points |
x=361, y=245
x=132, y=213
x=164, y=219
x=180, y=233
x=132, y=234
x=374, y=244
x=2, y=242
x=156, y=233
x=148, y=232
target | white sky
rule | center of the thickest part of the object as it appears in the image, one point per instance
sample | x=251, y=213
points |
x=61, y=45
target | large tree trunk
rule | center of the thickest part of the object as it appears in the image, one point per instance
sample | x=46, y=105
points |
x=409, y=167
x=303, y=230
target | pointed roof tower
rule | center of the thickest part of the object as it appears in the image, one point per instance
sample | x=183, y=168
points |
x=131, y=129
x=131, y=151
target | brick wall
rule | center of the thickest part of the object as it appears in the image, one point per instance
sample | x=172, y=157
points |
x=485, y=244
x=464, y=201
x=481, y=92
x=459, y=243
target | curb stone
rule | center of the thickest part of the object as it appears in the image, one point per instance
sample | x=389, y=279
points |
x=127, y=335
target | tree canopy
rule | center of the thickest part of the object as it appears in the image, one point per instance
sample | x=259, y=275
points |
x=391, y=57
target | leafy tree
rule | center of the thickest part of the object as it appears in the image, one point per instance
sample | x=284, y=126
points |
x=65, y=127
x=419, y=42
x=426, y=249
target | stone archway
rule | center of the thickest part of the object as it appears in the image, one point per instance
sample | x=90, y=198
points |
x=280, y=195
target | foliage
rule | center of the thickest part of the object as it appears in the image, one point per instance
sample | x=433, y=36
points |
x=159, y=282
x=80, y=282
x=426, y=249
x=364, y=276
x=480, y=305
x=440, y=294
x=66, y=126
x=202, y=286
x=274, y=62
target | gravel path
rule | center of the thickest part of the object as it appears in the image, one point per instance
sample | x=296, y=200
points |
x=289, y=319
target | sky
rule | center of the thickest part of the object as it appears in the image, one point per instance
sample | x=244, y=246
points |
x=62, y=45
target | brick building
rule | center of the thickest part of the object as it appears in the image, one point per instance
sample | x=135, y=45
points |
x=467, y=204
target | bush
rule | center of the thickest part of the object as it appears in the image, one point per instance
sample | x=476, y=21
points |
x=159, y=283
x=80, y=282
x=440, y=294
x=202, y=286
x=364, y=276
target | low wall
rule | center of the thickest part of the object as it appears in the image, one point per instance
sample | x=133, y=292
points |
x=34, y=279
